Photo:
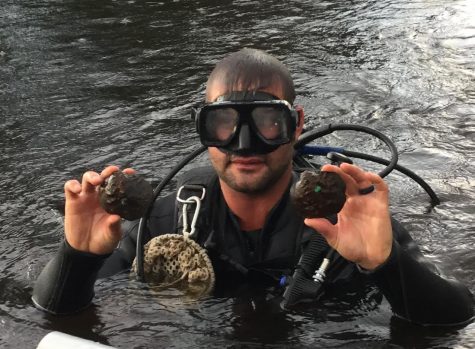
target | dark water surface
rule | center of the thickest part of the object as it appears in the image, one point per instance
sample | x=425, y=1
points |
x=89, y=83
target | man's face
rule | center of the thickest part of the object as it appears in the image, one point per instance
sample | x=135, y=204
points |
x=253, y=173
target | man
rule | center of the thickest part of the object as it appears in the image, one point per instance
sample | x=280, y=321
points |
x=251, y=231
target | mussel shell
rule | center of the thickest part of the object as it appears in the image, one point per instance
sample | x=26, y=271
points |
x=319, y=194
x=127, y=195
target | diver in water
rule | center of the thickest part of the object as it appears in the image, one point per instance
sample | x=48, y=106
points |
x=247, y=223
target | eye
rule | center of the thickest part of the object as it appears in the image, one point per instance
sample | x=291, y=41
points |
x=270, y=122
x=221, y=123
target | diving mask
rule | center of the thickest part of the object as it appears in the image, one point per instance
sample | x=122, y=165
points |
x=246, y=121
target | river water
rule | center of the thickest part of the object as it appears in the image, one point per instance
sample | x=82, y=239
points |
x=88, y=83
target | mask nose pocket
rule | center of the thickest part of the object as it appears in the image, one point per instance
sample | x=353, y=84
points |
x=244, y=137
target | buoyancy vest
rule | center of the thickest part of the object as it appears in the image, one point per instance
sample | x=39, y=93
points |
x=280, y=245
x=282, y=240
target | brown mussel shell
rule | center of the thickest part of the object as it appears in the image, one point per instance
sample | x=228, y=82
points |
x=318, y=194
x=127, y=195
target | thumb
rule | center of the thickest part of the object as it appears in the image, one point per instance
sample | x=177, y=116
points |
x=324, y=227
x=114, y=227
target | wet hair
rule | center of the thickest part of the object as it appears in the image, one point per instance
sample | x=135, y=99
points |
x=252, y=70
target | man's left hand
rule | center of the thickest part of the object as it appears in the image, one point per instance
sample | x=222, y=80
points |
x=363, y=234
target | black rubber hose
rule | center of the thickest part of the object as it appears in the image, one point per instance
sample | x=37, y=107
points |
x=433, y=196
x=156, y=192
x=309, y=136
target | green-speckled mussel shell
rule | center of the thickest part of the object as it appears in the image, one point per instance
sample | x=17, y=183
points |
x=318, y=194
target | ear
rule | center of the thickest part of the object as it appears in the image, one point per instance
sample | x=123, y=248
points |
x=300, y=121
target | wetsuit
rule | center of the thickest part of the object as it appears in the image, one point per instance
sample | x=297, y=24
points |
x=412, y=286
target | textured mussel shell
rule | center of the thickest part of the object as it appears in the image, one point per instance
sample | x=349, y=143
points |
x=127, y=195
x=318, y=194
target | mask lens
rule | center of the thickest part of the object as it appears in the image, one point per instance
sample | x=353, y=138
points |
x=271, y=122
x=221, y=123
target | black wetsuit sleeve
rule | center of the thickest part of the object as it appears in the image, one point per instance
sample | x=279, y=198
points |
x=66, y=284
x=416, y=291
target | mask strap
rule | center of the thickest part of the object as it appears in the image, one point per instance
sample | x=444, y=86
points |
x=240, y=96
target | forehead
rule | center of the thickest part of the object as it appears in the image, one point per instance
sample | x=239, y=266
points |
x=215, y=90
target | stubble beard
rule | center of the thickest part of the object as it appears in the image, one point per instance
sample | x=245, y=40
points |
x=249, y=183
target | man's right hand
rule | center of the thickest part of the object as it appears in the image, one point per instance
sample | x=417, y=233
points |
x=87, y=226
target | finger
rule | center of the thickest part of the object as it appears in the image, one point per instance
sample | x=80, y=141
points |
x=379, y=183
x=350, y=182
x=357, y=173
x=129, y=171
x=114, y=222
x=109, y=170
x=360, y=182
x=90, y=180
x=329, y=168
x=72, y=188
x=337, y=170
x=324, y=227
x=364, y=183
